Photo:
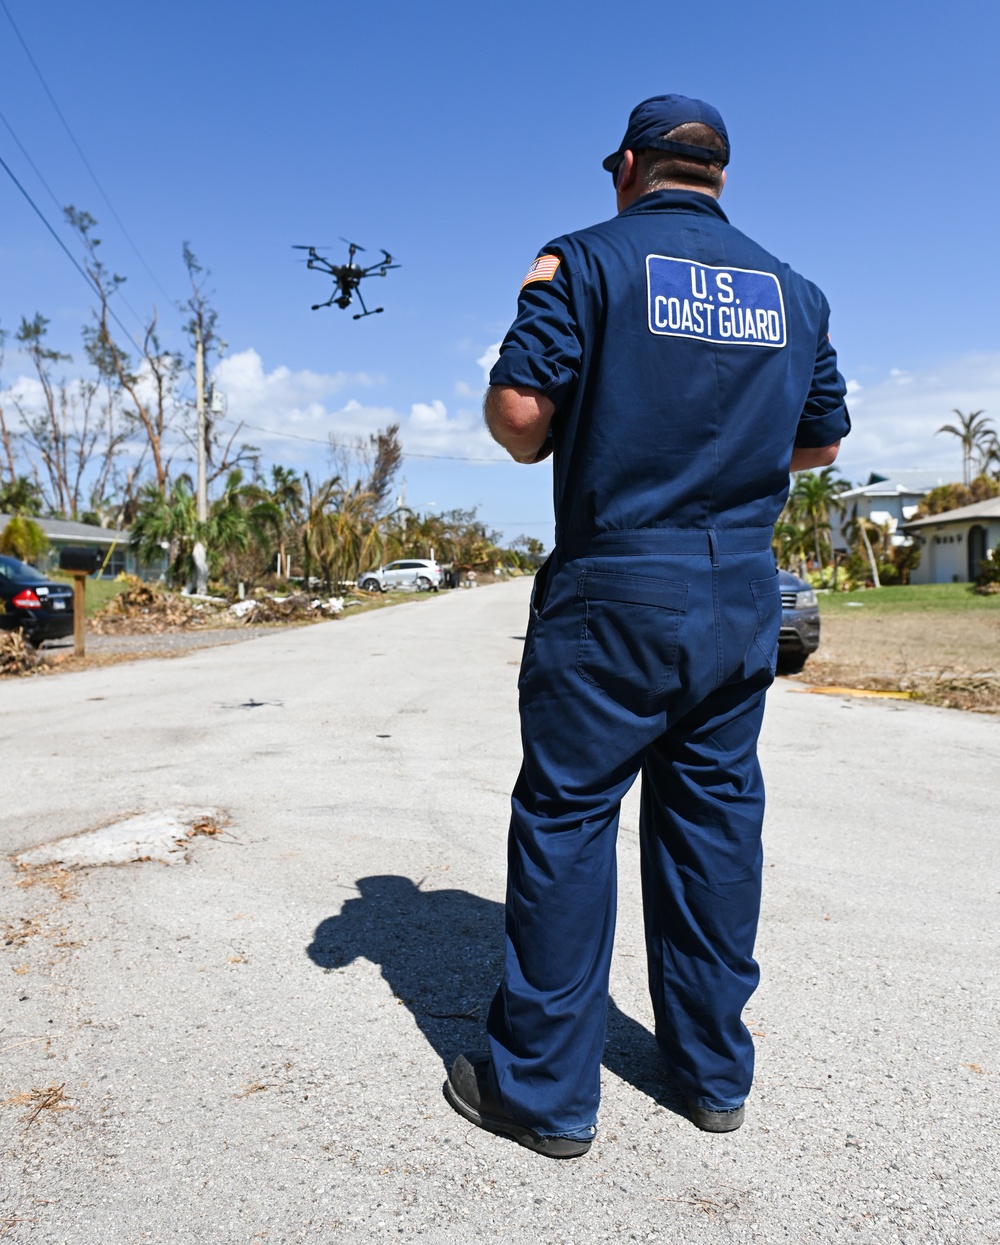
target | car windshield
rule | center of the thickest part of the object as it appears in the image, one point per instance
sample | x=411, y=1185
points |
x=11, y=568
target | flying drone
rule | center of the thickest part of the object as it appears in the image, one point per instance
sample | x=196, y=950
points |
x=347, y=277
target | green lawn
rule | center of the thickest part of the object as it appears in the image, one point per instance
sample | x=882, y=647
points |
x=99, y=591
x=920, y=598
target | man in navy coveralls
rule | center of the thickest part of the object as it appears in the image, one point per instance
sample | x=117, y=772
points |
x=676, y=372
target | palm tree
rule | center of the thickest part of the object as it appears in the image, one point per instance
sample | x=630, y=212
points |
x=975, y=432
x=809, y=502
x=790, y=543
x=244, y=515
x=286, y=493
x=355, y=535
x=856, y=530
x=20, y=496
x=23, y=539
x=168, y=521
x=315, y=529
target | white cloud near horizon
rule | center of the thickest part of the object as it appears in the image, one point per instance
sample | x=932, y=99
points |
x=291, y=405
x=896, y=417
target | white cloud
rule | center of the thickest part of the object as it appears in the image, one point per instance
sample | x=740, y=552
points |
x=895, y=419
x=853, y=387
x=298, y=412
x=487, y=359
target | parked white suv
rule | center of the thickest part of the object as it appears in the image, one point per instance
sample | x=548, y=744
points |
x=420, y=573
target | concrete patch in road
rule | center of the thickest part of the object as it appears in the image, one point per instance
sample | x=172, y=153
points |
x=164, y=835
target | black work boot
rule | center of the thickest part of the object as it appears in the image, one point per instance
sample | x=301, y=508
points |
x=468, y=1090
x=716, y=1121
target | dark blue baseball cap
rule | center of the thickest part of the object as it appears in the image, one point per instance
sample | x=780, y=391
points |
x=657, y=116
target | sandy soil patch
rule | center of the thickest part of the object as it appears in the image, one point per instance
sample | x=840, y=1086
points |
x=950, y=659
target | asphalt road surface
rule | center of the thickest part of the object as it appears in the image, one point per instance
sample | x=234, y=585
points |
x=249, y=1044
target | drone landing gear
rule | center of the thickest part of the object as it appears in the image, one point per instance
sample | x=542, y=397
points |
x=364, y=310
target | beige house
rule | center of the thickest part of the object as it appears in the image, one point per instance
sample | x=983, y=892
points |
x=954, y=543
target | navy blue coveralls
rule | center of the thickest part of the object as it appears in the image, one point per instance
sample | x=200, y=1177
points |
x=684, y=362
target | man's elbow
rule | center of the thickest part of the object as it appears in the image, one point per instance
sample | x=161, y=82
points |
x=804, y=458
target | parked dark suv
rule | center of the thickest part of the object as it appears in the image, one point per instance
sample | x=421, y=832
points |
x=41, y=609
x=799, y=634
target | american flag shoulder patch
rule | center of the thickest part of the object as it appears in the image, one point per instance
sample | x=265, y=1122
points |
x=543, y=269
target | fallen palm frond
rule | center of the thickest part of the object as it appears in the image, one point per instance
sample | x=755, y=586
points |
x=52, y=1098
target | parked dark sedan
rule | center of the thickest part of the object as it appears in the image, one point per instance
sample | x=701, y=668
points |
x=41, y=609
x=799, y=634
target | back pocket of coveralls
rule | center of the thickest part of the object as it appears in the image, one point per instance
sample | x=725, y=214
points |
x=631, y=627
x=767, y=599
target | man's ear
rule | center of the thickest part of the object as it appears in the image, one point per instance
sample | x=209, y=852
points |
x=625, y=170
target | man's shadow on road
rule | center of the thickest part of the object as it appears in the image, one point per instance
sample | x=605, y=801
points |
x=440, y=952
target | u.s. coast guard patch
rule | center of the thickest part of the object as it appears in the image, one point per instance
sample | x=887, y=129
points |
x=728, y=306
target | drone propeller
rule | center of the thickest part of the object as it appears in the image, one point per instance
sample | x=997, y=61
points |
x=354, y=244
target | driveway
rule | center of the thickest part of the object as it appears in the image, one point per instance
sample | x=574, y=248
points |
x=249, y=1044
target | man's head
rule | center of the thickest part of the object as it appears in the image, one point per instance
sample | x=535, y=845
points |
x=671, y=141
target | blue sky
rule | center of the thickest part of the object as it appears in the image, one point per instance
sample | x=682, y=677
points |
x=462, y=137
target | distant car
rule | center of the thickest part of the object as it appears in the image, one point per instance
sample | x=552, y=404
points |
x=41, y=609
x=799, y=634
x=421, y=573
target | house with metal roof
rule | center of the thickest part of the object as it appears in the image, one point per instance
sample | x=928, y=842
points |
x=953, y=544
x=889, y=498
x=117, y=555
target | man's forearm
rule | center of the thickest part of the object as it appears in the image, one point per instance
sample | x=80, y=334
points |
x=518, y=419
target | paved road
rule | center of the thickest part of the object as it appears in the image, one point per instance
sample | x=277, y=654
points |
x=251, y=1045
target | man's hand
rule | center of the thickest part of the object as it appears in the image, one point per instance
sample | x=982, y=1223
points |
x=518, y=419
x=803, y=458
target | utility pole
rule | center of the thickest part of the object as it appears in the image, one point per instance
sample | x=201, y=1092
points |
x=199, y=381
x=198, y=553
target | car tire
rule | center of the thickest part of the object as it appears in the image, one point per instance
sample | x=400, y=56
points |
x=371, y=585
x=423, y=584
x=791, y=663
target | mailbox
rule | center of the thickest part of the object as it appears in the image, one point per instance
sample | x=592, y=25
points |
x=80, y=559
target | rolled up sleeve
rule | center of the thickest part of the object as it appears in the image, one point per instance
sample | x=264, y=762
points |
x=542, y=348
x=824, y=419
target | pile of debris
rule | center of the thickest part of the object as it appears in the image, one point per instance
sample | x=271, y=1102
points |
x=16, y=657
x=295, y=608
x=145, y=609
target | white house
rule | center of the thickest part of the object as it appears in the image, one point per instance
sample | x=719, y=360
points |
x=886, y=499
x=954, y=543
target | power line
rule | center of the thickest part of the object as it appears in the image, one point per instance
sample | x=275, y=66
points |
x=79, y=150
x=69, y=255
x=38, y=174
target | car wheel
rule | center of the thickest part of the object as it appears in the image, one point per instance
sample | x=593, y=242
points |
x=791, y=663
x=423, y=584
x=371, y=585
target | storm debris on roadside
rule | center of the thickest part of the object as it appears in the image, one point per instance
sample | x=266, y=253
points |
x=143, y=609
x=294, y=608
x=147, y=609
x=16, y=657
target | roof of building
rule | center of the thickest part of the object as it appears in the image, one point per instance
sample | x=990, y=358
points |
x=892, y=483
x=63, y=530
x=989, y=509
